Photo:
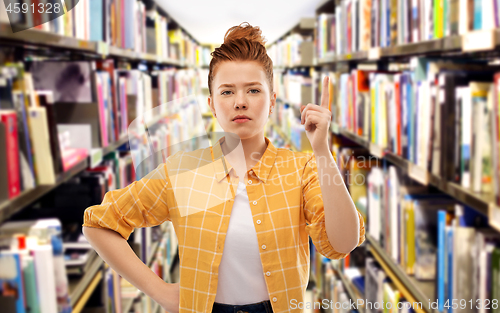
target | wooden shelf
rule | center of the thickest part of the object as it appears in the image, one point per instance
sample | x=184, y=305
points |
x=350, y=289
x=38, y=39
x=132, y=55
x=304, y=26
x=12, y=206
x=115, y=145
x=479, y=202
x=451, y=44
x=79, y=285
x=412, y=289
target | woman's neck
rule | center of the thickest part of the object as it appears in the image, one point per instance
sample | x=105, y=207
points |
x=243, y=154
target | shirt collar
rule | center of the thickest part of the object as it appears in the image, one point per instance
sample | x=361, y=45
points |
x=262, y=169
x=221, y=165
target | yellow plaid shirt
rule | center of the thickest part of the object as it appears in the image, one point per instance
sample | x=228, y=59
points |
x=286, y=203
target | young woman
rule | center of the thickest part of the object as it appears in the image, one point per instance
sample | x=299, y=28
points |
x=251, y=252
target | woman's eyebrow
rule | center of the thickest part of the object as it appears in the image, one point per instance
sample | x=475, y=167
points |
x=246, y=84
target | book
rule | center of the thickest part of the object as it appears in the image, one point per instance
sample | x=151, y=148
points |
x=9, y=119
x=46, y=101
x=39, y=132
x=70, y=81
x=11, y=279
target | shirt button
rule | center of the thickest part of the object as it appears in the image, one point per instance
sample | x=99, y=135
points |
x=264, y=247
x=268, y=273
x=258, y=222
x=275, y=299
x=249, y=182
x=255, y=202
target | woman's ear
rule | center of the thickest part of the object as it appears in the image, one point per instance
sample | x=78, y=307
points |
x=273, y=101
x=211, y=105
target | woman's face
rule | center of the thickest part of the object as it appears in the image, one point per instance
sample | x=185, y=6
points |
x=241, y=88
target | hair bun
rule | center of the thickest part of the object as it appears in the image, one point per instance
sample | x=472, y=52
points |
x=246, y=31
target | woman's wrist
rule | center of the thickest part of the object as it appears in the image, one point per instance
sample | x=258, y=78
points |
x=168, y=297
x=322, y=150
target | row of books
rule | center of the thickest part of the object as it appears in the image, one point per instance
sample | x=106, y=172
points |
x=429, y=235
x=160, y=260
x=358, y=25
x=400, y=220
x=155, y=246
x=59, y=112
x=373, y=291
x=294, y=86
x=333, y=296
x=34, y=266
x=286, y=52
x=73, y=197
x=33, y=276
x=124, y=24
x=354, y=284
x=286, y=124
x=30, y=136
x=442, y=116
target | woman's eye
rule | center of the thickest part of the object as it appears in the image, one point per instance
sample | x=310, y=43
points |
x=255, y=91
x=225, y=93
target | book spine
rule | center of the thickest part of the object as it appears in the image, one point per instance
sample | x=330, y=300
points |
x=102, y=111
x=96, y=27
x=397, y=97
x=11, y=140
x=410, y=239
x=410, y=111
x=449, y=264
x=496, y=139
x=466, y=136
x=478, y=15
x=441, y=248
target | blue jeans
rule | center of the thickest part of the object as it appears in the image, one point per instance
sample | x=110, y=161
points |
x=259, y=307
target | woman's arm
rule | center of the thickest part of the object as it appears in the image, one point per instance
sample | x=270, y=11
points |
x=118, y=254
x=341, y=217
x=343, y=222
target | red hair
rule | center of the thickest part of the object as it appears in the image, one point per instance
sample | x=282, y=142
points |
x=242, y=43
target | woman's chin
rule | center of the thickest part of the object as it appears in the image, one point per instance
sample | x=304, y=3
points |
x=242, y=133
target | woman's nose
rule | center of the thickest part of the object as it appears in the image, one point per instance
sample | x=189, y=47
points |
x=240, y=101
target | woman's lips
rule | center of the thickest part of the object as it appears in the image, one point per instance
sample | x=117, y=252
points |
x=241, y=120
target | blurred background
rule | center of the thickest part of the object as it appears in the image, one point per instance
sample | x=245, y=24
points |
x=414, y=95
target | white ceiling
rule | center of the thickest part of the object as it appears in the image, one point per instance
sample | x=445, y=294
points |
x=207, y=21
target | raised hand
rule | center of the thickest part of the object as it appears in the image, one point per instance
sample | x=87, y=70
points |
x=317, y=118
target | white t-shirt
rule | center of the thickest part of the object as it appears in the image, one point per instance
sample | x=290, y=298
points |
x=241, y=276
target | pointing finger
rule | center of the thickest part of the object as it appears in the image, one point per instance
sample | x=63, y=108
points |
x=325, y=94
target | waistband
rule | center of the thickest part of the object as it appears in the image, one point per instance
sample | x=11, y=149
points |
x=259, y=307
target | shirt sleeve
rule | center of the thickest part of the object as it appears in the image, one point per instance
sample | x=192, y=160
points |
x=143, y=203
x=314, y=212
